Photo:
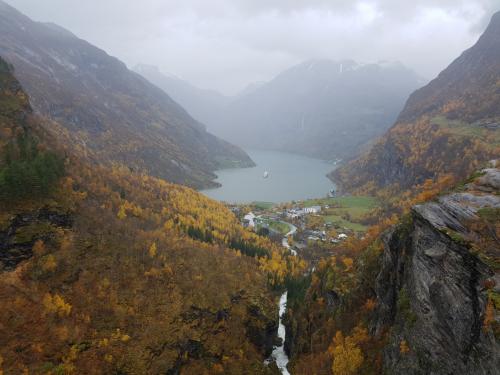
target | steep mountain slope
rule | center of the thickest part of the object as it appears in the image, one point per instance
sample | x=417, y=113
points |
x=108, y=108
x=204, y=105
x=422, y=298
x=450, y=126
x=320, y=108
x=112, y=271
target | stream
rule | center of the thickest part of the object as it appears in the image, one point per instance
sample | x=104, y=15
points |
x=279, y=353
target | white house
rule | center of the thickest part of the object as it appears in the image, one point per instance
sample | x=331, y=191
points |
x=312, y=210
x=248, y=220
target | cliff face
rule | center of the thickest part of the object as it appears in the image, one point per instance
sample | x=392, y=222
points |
x=434, y=285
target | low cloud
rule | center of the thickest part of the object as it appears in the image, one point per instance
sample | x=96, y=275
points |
x=226, y=44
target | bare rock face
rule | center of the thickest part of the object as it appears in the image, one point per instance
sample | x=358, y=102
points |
x=491, y=178
x=432, y=288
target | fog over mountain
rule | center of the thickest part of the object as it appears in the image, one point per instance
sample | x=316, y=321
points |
x=203, y=105
x=321, y=108
x=227, y=44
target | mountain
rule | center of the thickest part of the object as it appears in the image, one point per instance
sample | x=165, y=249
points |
x=448, y=128
x=108, y=108
x=321, y=108
x=203, y=105
x=104, y=270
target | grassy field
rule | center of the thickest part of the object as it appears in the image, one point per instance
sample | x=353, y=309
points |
x=461, y=128
x=263, y=205
x=274, y=225
x=355, y=207
x=335, y=219
x=279, y=227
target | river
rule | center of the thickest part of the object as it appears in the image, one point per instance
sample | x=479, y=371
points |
x=290, y=177
x=279, y=353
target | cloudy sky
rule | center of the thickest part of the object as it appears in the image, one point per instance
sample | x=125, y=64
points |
x=227, y=44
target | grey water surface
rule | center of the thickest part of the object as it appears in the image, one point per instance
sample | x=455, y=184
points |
x=291, y=177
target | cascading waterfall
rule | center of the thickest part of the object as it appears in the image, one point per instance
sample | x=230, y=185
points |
x=279, y=353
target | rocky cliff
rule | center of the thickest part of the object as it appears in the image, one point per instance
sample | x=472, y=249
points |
x=436, y=281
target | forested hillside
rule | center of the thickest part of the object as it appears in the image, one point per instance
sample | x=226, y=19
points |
x=447, y=130
x=108, y=109
x=104, y=270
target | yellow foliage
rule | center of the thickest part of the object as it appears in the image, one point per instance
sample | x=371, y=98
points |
x=348, y=262
x=71, y=356
x=347, y=356
x=56, y=304
x=122, y=214
x=152, y=250
x=49, y=263
x=125, y=338
x=403, y=347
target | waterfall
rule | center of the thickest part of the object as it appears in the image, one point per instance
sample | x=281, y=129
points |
x=279, y=353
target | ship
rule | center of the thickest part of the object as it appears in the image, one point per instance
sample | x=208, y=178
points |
x=266, y=174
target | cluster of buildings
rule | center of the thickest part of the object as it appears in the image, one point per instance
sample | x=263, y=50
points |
x=250, y=220
x=320, y=235
x=295, y=213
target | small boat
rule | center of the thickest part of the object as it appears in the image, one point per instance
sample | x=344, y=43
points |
x=266, y=174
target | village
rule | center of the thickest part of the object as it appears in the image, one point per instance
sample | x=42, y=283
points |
x=313, y=228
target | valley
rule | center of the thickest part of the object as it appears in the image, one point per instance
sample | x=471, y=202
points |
x=338, y=218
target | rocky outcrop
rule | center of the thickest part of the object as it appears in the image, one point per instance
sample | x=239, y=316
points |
x=23, y=230
x=261, y=329
x=432, y=288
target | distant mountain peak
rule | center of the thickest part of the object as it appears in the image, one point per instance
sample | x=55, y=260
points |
x=319, y=107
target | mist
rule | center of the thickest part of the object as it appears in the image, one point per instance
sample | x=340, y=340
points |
x=227, y=44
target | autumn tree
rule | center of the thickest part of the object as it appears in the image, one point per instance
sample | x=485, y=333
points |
x=347, y=355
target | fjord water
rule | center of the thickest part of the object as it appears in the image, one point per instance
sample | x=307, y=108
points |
x=291, y=177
